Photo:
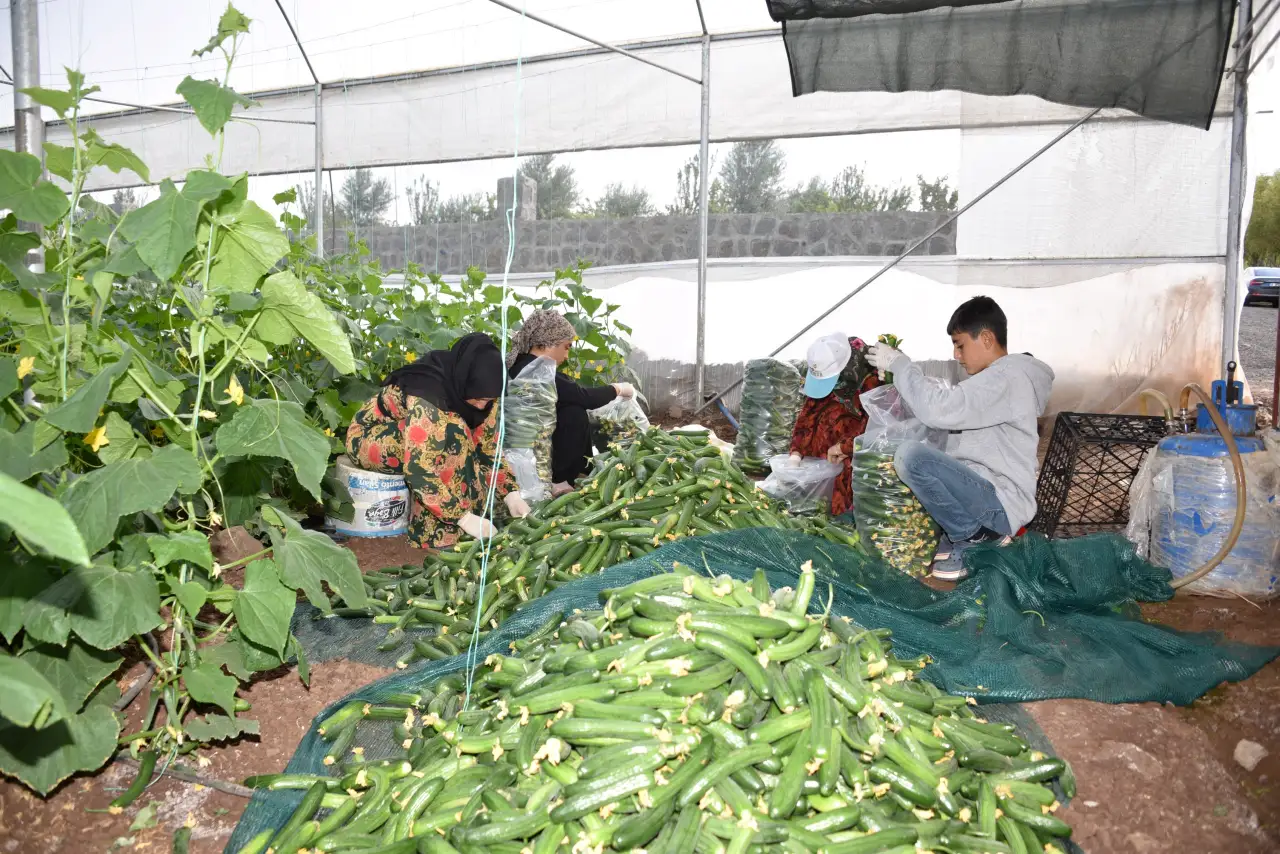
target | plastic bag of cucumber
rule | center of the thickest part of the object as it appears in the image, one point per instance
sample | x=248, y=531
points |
x=663, y=487
x=690, y=713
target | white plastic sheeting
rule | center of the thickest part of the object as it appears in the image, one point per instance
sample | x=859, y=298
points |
x=1108, y=331
x=1106, y=254
x=589, y=100
x=1108, y=190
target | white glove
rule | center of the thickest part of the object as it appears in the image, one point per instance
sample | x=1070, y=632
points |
x=476, y=527
x=518, y=507
x=626, y=390
x=795, y=459
x=560, y=489
x=881, y=357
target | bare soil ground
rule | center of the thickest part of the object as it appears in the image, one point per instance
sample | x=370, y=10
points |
x=1151, y=778
x=1156, y=778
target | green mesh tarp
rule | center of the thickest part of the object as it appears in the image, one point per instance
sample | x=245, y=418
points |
x=1038, y=620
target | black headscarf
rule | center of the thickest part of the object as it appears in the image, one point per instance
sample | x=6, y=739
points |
x=471, y=368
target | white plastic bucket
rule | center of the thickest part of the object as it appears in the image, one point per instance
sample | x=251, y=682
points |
x=381, y=502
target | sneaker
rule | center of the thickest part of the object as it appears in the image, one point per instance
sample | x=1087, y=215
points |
x=945, y=547
x=950, y=566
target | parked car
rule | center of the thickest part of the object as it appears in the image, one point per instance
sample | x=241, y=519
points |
x=1264, y=285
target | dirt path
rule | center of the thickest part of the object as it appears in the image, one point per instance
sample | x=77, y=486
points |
x=1151, y=778
x=1156, y=778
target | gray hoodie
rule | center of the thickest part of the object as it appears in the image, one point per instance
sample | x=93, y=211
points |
x=991, y=417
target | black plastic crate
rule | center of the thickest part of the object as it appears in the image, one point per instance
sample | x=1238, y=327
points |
x=1085, y=477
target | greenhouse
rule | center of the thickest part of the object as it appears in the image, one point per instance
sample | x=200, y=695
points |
x=282, y=571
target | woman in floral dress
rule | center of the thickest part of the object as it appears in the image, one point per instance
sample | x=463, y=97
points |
x=828, y=424
x=434, y=422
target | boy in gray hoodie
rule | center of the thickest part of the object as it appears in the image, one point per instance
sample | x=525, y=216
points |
x=982, y=489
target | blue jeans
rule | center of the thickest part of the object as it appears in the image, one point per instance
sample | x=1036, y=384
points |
x=959, y=499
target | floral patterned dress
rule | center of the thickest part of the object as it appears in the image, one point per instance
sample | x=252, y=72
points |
x=446, y=464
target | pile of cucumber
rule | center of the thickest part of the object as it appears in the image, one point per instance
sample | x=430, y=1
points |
x=660, y=488
x=771, y=400
x=693, y=713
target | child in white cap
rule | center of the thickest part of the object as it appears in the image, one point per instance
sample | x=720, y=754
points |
x=831, y=417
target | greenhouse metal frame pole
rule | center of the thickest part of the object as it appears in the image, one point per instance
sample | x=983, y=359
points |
x=317, y=201
x=28, y=135
x=1235, y=195
x=914, y=246
x=704, y=193
x=28, y=123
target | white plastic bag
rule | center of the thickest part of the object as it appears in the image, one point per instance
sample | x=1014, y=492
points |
x=621, y=420
x=1182, y=506
x=530, y=421
x=890, y=422
x=805, y=485
x=771, y=400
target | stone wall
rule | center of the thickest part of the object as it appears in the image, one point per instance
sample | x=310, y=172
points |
x=542, y=245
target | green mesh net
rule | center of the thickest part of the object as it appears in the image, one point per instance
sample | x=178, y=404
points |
x=1039, y=619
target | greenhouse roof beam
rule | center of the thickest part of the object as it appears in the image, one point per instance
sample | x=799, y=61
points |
x=155, y=108
x=298, y=42
x=596, y=42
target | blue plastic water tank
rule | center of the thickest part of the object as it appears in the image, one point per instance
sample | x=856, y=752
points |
x=1196, y=507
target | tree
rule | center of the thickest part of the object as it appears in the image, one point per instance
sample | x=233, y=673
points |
x=364, y=198
x=557, y=185
x=307, y=202
x=851, y=191
x=468, y=207
x=848, y=192
x=752, y=176
x=124, y=200
x=424, y=200
x=619, y=203
x=937, y=195
x=687, y=189
x=814, y=197
x=1262, y=239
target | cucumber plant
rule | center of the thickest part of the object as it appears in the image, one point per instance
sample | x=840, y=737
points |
x=167, y=373
x=140, y=406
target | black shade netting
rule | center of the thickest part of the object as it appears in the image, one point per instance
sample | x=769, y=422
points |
x=795, y=10
x=1162, y=59
x=1040, y=619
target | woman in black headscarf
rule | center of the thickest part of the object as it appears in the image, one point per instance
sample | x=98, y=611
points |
x=435, y=422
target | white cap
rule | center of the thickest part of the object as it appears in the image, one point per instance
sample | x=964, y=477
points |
x=827, y=358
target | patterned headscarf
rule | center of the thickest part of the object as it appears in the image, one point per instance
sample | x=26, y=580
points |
x=543, y=328
x=856, y=377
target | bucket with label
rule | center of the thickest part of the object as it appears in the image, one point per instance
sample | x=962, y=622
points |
x=381, y=502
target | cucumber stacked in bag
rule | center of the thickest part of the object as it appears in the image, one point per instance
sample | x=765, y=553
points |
x=889, y=516
x=771, y=399
x=692, y=713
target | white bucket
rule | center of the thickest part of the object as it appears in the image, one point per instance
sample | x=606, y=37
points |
x=381, y=502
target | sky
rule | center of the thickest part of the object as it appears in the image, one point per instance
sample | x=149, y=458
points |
x=138, y=51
